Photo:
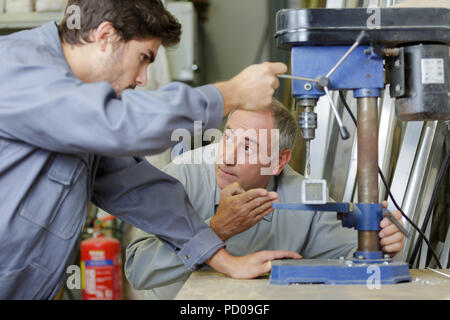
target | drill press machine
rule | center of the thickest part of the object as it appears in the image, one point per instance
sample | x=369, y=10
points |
x=343, y=49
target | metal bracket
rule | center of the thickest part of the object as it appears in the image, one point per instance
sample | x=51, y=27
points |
x=395, y=73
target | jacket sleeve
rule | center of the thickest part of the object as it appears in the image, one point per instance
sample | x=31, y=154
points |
x=48, y=107
x=139, y=194
x=151, y=264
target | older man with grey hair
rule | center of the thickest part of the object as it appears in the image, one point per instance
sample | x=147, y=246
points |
x=233, y=194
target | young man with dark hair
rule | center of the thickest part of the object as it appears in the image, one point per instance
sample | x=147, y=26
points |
x=70, y=131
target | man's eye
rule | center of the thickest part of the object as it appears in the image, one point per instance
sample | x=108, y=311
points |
x=144, y=58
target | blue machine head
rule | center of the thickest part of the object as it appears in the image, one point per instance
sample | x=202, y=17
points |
x=362, y=71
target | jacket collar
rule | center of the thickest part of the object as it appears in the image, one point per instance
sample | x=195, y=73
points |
x=49, y=36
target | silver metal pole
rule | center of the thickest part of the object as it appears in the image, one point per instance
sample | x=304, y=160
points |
x=289, y=76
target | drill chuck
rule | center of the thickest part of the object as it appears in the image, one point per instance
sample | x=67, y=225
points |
x=308, y=125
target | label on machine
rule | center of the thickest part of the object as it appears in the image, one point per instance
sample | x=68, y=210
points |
x=432, y=71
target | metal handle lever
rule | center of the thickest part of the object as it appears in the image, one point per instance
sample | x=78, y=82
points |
x=390, y=216
x=361, y=36
x=439, y=272
x=343, y=130
x=289, y=76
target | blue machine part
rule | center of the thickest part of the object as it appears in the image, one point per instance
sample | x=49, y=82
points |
x=362, y=71
x=361, y=216
x=337, y=272
x=365, y=217
x=330, y=206
x=368, y=256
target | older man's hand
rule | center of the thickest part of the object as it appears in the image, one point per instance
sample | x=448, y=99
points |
x=391, y=238
x=248, y=266
x=240, y=210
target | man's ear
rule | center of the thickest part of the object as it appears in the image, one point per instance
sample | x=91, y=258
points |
x=105, y=34
x=283, y=159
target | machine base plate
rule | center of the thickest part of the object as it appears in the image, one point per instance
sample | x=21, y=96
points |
x=338, y=271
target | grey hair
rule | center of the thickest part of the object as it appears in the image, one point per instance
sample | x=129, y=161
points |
x=284, y=121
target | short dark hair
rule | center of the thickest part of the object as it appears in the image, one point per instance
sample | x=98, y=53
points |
x=132, y=19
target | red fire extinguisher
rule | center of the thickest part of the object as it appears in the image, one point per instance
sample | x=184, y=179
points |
x=101, y=268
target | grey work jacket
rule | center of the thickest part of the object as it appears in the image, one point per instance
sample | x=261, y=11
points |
x=64, y=143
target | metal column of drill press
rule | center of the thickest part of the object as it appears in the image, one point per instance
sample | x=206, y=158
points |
x=367, y=117
x=323, y=60
x=331, y=66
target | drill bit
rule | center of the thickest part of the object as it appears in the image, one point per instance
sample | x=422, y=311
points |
x=308, y=158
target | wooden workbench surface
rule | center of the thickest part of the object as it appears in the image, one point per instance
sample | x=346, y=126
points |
x=211, y=285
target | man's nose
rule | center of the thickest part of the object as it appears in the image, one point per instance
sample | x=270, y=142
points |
x=141, y=79
x=230, y=154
